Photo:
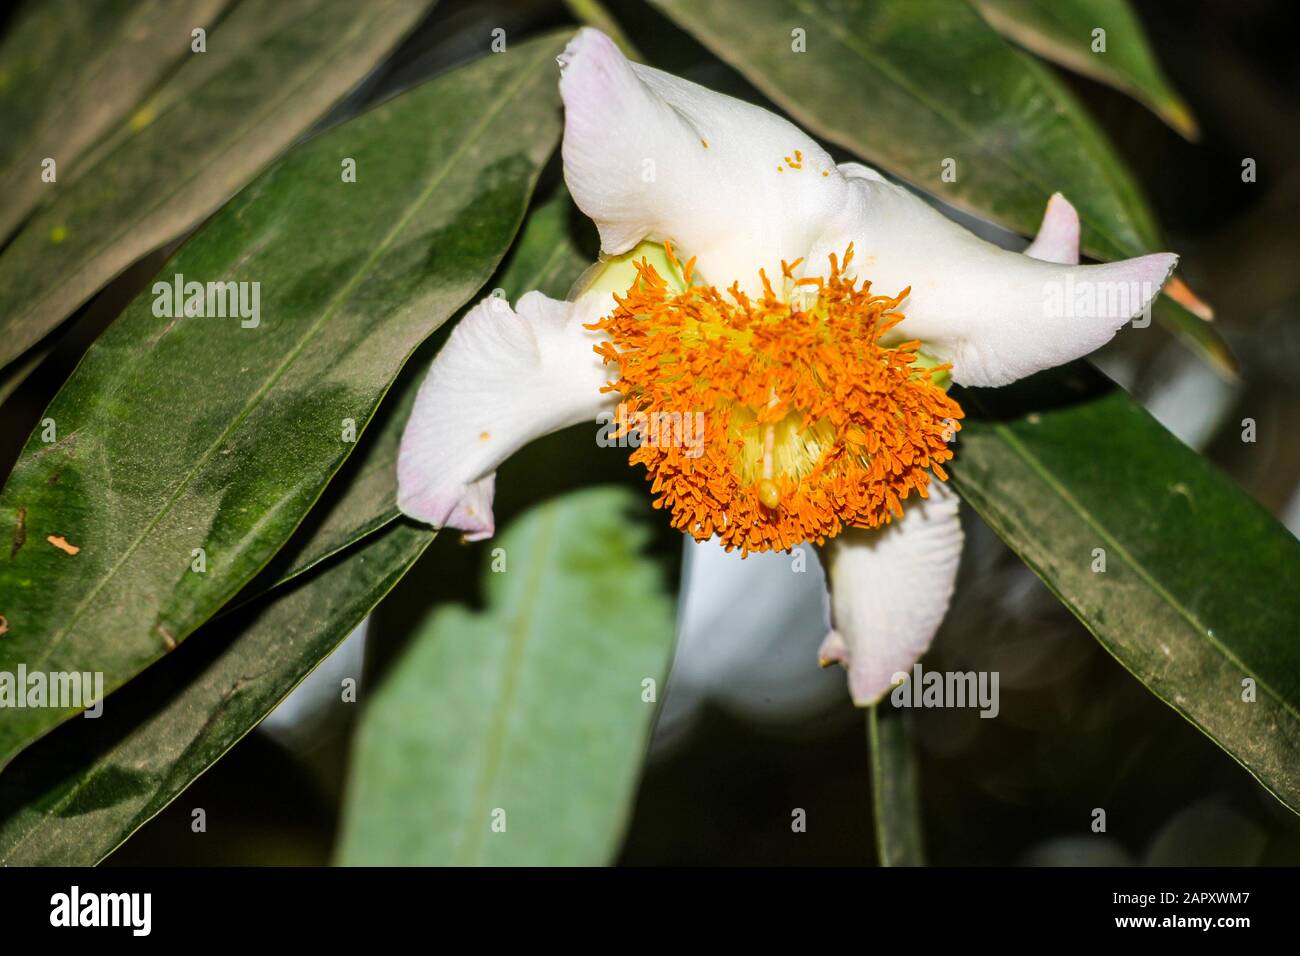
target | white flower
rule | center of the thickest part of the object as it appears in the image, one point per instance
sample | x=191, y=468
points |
x=823, y=416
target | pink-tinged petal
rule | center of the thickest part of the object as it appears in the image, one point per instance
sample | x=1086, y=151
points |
x=995, y=315
x=505, y=377
x=471, y=511
x=649, y=155
x=1058, y=236
x=834, y=650
x=890, y=588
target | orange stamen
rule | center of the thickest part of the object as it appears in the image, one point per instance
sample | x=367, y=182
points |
x=810, y=424
x=668, y=253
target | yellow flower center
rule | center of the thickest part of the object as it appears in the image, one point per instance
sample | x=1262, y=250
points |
x=809, y=424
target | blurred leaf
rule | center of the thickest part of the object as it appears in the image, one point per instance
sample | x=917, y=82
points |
x=533, y=708
x=364, y=497
x=69, y=70
x=187, y=433
x=908, y=84
x=1061, y=30
x=1199, y=588
x=273, y=67
x=1199, y=336
x=895, y=795
x=81, y=792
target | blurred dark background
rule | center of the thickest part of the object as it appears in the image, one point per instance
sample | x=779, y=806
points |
x=731, y=757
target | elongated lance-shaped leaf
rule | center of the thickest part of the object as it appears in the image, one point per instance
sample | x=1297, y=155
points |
x=895, y=790
x=1184, y=578
x=70, y=70
x=929, y=91
x=272, y=68
x=1102, y=39
x=81, y=792
x=514, y=736
x=363, y=497
x=186, y=449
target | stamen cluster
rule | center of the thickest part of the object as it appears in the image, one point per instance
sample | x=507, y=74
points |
x=810, y=424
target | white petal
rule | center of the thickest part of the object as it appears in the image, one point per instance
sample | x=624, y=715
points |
x=995, y=315
x=647, y=154
x=504, y=378
x=890, y=589
x=1058, y=236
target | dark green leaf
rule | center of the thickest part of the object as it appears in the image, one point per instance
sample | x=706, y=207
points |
x=364, y=497
x=188, y=433
x=1062, y=31
x=77, y=795
x=895, y=794
x=71, y=69
x=273, y=67
x=514, y=736
x=1198, y=593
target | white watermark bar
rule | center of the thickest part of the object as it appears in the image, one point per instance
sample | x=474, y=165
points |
x=95, y=910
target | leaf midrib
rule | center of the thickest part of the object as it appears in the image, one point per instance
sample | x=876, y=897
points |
x=521, y=629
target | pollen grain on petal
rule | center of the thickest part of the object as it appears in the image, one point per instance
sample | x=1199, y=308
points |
x=810, y=425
